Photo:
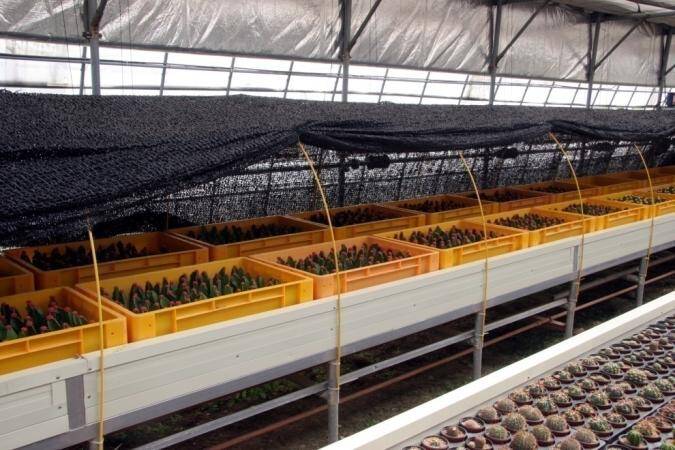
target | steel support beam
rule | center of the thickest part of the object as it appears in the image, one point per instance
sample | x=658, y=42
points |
x=642, y=277
x=522, y=29
x=93, y=14
x=333, y=400
x=83, y=69
x=478, y=334
x=619, y=42
x=364, y=24
x=495, y=29
x=163, y=78
x=665, y=53
x=344, y=47
x=571, y=308
x=593, y=37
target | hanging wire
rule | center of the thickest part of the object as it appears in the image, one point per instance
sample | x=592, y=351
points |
x=131, y=66
x=122, y=64
x=101, y=337
x=65, y=38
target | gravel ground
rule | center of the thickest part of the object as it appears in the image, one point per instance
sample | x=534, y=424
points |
x=371, y=409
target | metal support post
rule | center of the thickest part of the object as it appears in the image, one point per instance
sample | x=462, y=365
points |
x=571, y=306
x=333, y=400
x=344, y=47
x=593, y=37
x=92, y=17
x=642, y=277
x=495, y=27
x=665, y=52
x=479, y=331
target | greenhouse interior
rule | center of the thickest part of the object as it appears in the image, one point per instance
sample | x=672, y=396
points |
x=339, y=224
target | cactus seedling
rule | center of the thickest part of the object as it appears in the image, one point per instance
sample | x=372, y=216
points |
x=348, y=258
x=599, y=399
x=478, y=443
x=614, y=392
x=564, y=376
x=488, y=414
x=536, y=390
x=664, y=385
x=667, y=446
x=636, y=377
x=652, y=392
x=641, y=199
x=575, y=392
x=551, y=383
x=589, y=363
x=498, y=433
x=561, y=399
x=640, y=403
x=647, y=429
x=609, y=353
x=667, y=190
x=531, y=414
x=432, y=206
x=611, y=369
x=14, y=325
x=573, y=417
x=520, y=396
x=626, y=387
x=229, y=234
x=75, y=257
x=586, y=436
x=615, y=419
x=556, y=423
x=542, y=434
x=435, y=443
x=569, y=444
x=528, y=221
x=546, y=405
x=524, y=440
x=440, y=238
x=634, y=439
x=506, y=406
x=588, y=384
x=600, y=425
x=453, y=434
x=625, y=408
x=586, y=410
x=514, y=422
x=590, y=209
x=352, y=216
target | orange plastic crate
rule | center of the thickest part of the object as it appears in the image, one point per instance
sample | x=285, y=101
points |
x=14, y=278
x=470, y=209
x=508, y=240
x=657, y=175
x=292, y=290
x=627, y=213
x=570, y=193
x=53, y=346
x=423, y=260
x=607, y=184
x=648, y=211
x=573, y=226
x=399, y=219
x=529, y=198
x=310, y=234
x=181, y=253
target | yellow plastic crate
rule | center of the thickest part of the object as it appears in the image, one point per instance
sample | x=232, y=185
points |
x=292, y=290
x=508, y=240
x=648, y=211
x=573, y=225
x=180, y=253
x=607, y=184
x=658, y=176
x=470, y=208
x=14, y=278
x=422, y=260
x=53, y=346
x=527, y=198
x=309, y=233
x=570, y=189
x=399, y=219
x=626, y=215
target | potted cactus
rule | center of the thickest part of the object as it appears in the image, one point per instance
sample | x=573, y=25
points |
x=652, y=393
x=472, y=425
x=640, y=403
x=489, y=415
x=564, y=376
x=636, y=377
x=616, y=420
x=557, y=424
x=529, y=221
x=543, y=435
x=524, y=440
x=612, y=370
x=435, y=443
x=531, y=414
x=561, y=399
x=661, y=423
x=670, y=445
x=622, y=349
x=589, y=364
x=514, y=422
x=569, y=444
x=633, y=360
x=546, y=406
x=536, y=390
x=634, y=440
x=505, y=406
x=588, y=385
x=614, y=392
x=586, y=437
x=599, y=379
x=626, y=409
x=658, y=368
x=477, y=443
x=599, y=399
x=453, y=434
x=573, y=417
x=665, y=386
x=575, y=392
x=648, y=431
x=600, y=426
x=627, y=387
x=576, y=369
x=521, y=397
x=498, y=435
x=610, y=353
x=586, y=409
x=551, y=383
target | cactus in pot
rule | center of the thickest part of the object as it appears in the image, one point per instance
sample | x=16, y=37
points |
x=524, y=440
x=569, y=444
x=556, y=423
x=652, y=392
x=573, y=417
x=599, y=399
x=664, y=385
x=546, y=405
x=636, y=377
x=586, y=409
x=561, y=398
x=506, y=405
x=575, y=392
x=521, y=396
x=531, y=414
x=514, y=422
x=498, y=433
x=542, y=434
x=586, y=436
x=614, y=392
x=600, y=425
x=488, y=414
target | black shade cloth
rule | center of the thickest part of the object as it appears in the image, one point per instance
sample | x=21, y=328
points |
x=63, y=158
